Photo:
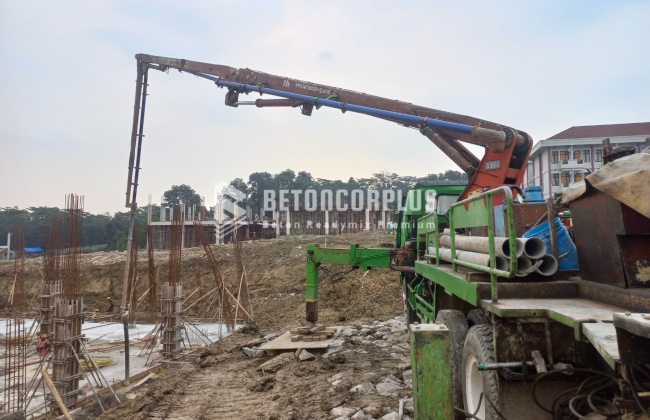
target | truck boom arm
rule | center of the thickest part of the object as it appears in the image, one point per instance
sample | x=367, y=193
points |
x=506, y=152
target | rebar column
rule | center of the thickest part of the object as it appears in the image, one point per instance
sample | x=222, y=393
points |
x=15, y=367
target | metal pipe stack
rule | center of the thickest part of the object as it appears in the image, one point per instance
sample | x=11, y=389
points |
x=530, y=253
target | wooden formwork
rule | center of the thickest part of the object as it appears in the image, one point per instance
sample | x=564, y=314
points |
x=49, y=294
x=172, y=295
x=66, y=341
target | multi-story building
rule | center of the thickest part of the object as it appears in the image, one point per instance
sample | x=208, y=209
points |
x=569, y=156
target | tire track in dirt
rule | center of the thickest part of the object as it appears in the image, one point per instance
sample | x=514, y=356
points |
x=214, y=394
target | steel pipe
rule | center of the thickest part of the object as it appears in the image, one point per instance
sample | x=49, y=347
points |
x=534, y=248
x=481, y=245
x=413, y=120
x=472, y=257
x=403, y=268
x=524, y=264
x=549, y=265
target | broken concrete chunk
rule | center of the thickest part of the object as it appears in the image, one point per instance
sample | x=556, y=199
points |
x=335, y=377
x=255, y=343
x=372, y=411
x=408, y=406
x=271, y=336
x=343, y=411
x=393, y=379
x=360, y=415
x=295, y=338
x=249, y=352
x=365, y=388
x=305, y=355
x=277, y=363
x=388, y=388
x=408, y=377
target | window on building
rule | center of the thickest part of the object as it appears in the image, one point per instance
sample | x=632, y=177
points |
x=587, y=155
x=598, y=155
x=554, y=158
x=564, y=156
x=577, y=154
x=565, y=179
x=577, y=177
x=556, y=180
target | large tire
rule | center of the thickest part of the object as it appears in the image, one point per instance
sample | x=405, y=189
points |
x=479, y=349
x=456, y=322
x=477, y=317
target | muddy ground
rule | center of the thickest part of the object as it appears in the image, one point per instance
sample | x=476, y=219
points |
x=221, y=381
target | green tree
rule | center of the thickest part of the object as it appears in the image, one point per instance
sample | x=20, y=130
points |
x=240, y=186
x=258, y=182
x=284, y=180
x=181, y=193
x=10, y=217
x=120, y=240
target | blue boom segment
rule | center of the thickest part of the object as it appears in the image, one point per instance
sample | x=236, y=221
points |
x=374, y=112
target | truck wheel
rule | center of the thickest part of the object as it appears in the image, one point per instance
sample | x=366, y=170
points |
x=456, y=322
x=410, y=315
x=477, y=317
x=479, y=349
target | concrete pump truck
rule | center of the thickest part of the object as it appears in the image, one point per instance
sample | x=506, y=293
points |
x=496, y=330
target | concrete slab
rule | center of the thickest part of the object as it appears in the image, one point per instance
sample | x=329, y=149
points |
x=284, y=342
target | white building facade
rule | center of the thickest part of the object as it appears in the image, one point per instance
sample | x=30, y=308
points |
x=569, y=156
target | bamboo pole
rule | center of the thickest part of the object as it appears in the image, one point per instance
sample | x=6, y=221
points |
x=241, y=280
x=56, y=395
x=201, y=298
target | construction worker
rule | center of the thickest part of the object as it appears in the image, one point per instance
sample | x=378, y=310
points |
x=42, y=345
x=96, y=313
x=84, y=310
x=110, y=304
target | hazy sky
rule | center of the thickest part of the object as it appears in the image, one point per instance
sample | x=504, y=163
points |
x=67, y=85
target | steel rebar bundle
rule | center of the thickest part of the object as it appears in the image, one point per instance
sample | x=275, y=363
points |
x=72, y=231
x=51, y=286
x=153, y=299
x=172, y=292
x=175, y=245
x=67, y=314
x=242, y=294
x=225, y=302
x=14, y=366
x=18, y=295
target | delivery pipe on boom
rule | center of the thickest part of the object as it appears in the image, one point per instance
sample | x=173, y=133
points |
x=414, y=120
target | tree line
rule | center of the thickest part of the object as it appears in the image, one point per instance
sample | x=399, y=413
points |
x=112, y=230
x=258, y=182
x=98, y=229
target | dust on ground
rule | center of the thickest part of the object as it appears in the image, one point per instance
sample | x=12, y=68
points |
x=220, y=381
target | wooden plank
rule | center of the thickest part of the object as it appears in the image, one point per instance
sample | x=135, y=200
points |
x=571, y=309
x=603, y=337
x=284, y=342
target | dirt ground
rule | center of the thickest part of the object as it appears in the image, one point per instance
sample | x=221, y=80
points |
x=220, y=381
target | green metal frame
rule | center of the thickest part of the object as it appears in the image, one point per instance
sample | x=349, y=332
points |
x=476, y=211
x=355, y=256
x=422, y=308
x=432, y=371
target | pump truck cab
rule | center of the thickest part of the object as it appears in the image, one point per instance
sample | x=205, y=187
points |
x=497, y=331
